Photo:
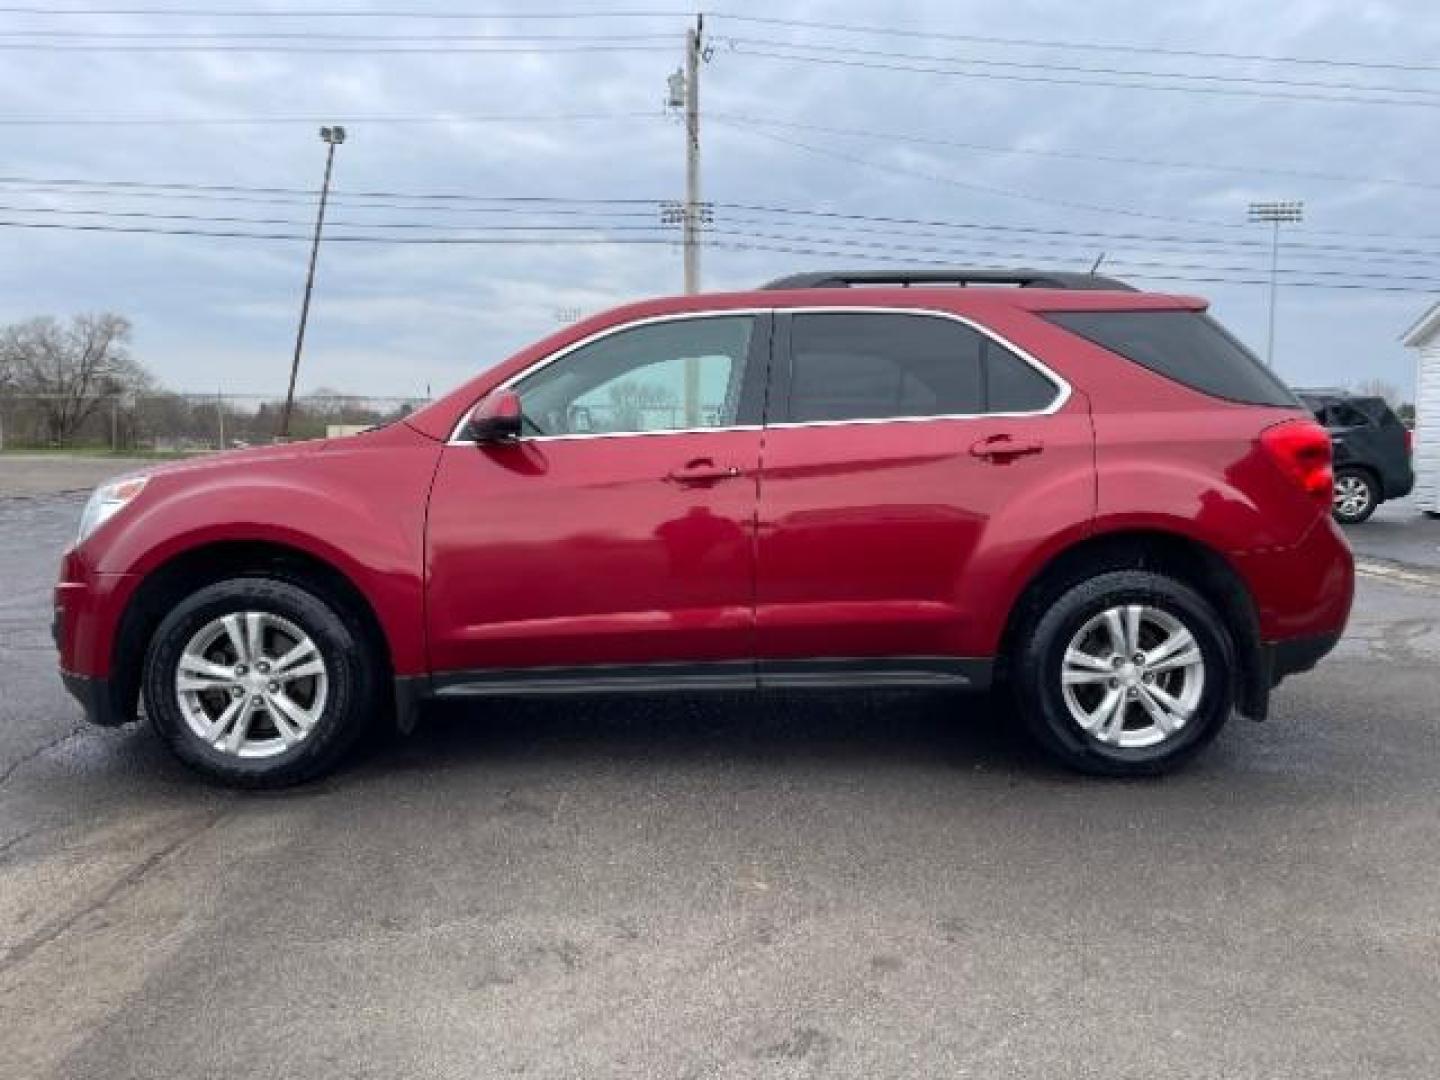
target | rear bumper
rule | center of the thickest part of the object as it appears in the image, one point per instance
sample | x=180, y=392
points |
x=1283, y=658
x=1399, y=484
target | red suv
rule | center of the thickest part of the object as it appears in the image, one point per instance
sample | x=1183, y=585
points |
x=1093, y=496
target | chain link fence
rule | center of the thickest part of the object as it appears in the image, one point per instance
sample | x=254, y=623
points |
x=184, y=423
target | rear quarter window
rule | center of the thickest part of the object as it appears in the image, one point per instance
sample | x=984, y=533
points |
x=1187, y=347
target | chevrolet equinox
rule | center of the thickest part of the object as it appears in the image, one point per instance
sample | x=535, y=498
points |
x=1090, y=497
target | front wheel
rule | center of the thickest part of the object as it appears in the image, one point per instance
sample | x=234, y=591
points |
x=258, y=682
x=1128, y=673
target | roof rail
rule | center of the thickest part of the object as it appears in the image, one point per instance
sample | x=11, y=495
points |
x=961, y=276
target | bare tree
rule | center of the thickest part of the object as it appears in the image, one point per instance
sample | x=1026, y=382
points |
x=631, y=399
x=68, y=370
x=1381, y=389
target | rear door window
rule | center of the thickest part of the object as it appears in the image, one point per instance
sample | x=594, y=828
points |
x=880, y=365
x=1187, y=347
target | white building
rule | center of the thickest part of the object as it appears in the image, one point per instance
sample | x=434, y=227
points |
x=1424, y=337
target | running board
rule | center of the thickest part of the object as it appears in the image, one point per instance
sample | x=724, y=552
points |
x=904, y=672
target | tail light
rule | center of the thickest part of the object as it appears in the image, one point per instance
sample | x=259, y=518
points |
x=1410, y=441
x=1301, y=450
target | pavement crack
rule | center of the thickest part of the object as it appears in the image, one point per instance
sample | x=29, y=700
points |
x=40, y=751
x=129, y=880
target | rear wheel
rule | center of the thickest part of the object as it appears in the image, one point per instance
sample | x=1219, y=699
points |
x=1128, y=673
x=1355, y=496
x=258, y=682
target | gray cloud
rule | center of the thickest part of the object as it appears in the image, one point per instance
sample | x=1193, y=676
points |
x=214, y=313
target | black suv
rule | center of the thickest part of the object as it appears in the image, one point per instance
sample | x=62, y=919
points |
x=1372, y=451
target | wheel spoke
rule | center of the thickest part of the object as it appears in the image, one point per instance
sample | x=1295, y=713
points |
x=1189, y=658
x=241, y=726
x=1072, y=677
x=1115, y=626
x=214, y=731
x=1167, y=722
x=197, y=674
x=1132, y=629
x=1083, y=661
x=1095, y=720
x=291, y=719
x=255, y=635
x=1168, y=702
x=1181, y=640
x=1114, y=720
x=300, y=662
x=235, y=632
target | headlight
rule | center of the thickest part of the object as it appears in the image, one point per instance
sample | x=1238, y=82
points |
x=107, y=501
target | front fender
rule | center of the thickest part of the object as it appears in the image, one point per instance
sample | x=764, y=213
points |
x=357, y=505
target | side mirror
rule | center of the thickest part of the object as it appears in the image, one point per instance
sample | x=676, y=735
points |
x=496, y=418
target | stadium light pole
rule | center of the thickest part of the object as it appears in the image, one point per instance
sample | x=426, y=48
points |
x=332, y=137
x=1274, y=213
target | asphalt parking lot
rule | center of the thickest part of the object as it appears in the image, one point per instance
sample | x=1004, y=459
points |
x=712, y=886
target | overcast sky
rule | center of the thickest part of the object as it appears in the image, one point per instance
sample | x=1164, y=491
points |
x=216, y=313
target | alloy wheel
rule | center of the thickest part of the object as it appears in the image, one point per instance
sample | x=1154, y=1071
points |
x=251, y=684
x=1133, y=676
x=1352, y=496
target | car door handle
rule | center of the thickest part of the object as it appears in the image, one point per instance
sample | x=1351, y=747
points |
x=702, y=471
x=1003, y=448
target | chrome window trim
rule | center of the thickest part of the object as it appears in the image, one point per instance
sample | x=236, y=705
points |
x=1062, y=394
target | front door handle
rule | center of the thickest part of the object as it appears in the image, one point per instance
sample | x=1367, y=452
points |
x=701, y=471
x=1004, y=448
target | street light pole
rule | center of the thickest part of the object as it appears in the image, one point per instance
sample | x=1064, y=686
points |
x=332, y=137
x=1274, y=213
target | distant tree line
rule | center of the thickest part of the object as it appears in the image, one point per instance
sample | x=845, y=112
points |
x=76, y=384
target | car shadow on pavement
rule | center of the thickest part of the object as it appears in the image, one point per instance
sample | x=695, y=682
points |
x=870, y=729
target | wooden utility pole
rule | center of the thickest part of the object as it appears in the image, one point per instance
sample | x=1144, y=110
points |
x=694, y=43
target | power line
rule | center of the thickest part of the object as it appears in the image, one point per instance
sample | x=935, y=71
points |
x=1059, y=238
x=758, y=20
x=817, y=246
x=1087, y=46
x=473, y=203
x=367, y=50
x=308, y=35
x=655, y=224
x=988, y=189
x=433, y=118
x=1073, y=241
x=272, y=190
x=1071, y=155
x=990, y=253
x=1203, y=77
x=1057, y=80
x=1060, y=203
x=341, y=13
x=735, y=118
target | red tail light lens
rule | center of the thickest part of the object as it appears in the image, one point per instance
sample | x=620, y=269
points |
x=1301, y=449
x=1410, y=441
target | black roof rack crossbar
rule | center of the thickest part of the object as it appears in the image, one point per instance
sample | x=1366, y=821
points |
x=962, y=276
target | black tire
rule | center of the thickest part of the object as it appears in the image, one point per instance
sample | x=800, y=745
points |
x=350, y=670
x=1361, y=478
x=1036, y=673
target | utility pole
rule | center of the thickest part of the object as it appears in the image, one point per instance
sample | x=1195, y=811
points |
x=693, y=46
x=332, y=137
x=684, y=90
x=1274, y=213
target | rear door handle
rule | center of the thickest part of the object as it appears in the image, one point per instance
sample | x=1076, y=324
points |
x=1003, y=448
x=701, y=471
